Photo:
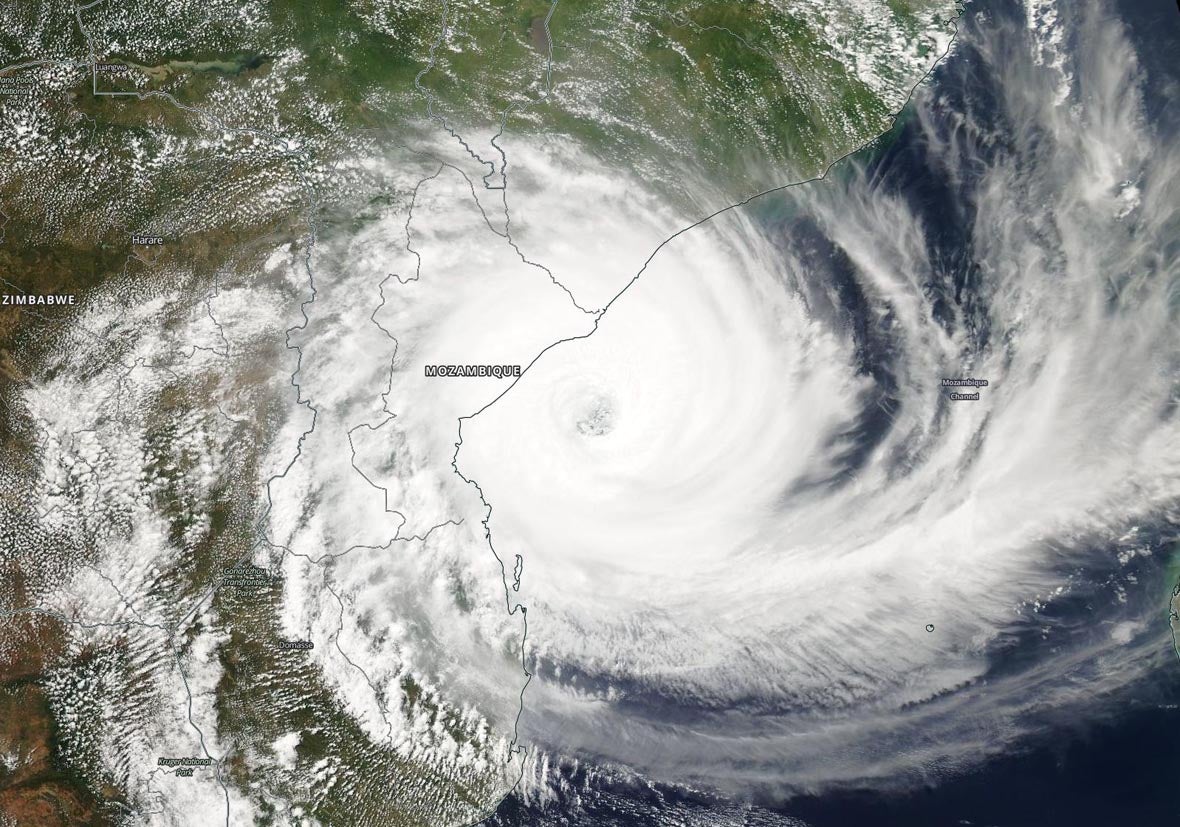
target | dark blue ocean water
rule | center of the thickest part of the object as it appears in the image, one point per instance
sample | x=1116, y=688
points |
x=1119, y=764
x=1118, y=767
x=1121, y=773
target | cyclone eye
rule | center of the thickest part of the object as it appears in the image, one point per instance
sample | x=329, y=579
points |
x=597, y=417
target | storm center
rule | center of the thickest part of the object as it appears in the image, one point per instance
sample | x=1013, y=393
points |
x=596, y=417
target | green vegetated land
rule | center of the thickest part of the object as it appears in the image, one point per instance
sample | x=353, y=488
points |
x=734, y=91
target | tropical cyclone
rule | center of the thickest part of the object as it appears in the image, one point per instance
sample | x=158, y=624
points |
x=759, y=546
x=732, y=492
x=742, y=500
x=256, y=544
x=704, y=351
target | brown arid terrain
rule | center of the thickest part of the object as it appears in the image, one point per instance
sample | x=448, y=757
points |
x=36, y=788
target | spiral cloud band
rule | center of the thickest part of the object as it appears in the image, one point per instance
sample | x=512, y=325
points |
x=786, y=513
